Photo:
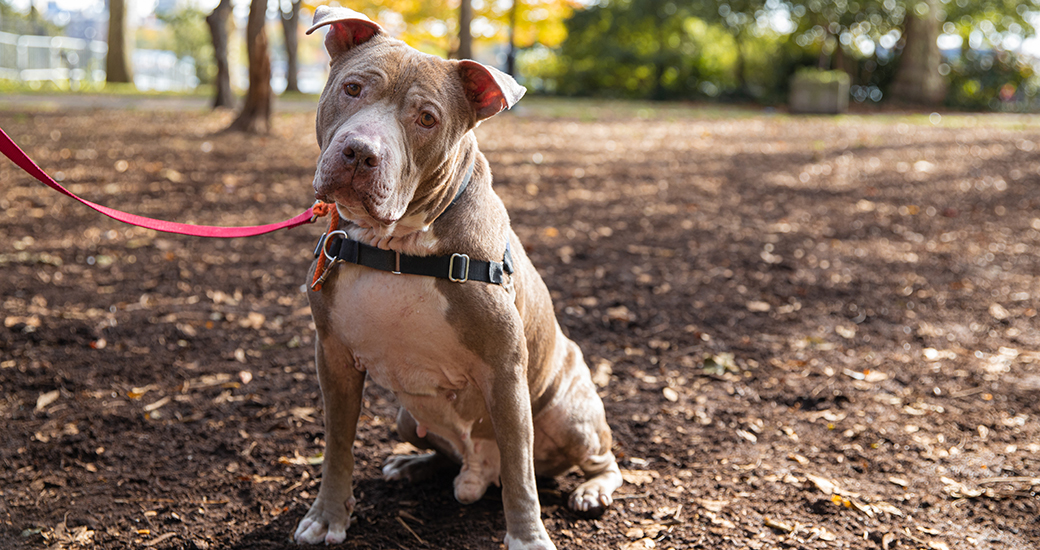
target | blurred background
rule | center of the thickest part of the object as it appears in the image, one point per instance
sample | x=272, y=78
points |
x=957, y=54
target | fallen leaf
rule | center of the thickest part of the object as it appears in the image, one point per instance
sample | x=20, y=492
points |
x=825, y=485
x=158, y=404
x=304, y=413
x=957, y=489
x=601, y=377
x=46, y=399
x=720, y=364
x=887, y=508
x=748, y=436
x=300, y=460
x=639, y=477
x=712, y=505
x=824, y=535
x=778, y=525
x=640, y=544
x=758, y=306
x=998, y=312
x=620, y=313
x=799, y=459
x=722, y=522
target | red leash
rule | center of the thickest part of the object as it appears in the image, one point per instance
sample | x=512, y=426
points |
x=15, y=153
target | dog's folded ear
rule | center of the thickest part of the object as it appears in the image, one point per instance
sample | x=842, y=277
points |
x=488, y=89
x=349, y=28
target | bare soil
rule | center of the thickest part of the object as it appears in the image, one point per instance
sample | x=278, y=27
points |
x=808, y=332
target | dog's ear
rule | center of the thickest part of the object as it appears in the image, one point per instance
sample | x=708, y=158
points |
x=349, y=28
x=488, y=89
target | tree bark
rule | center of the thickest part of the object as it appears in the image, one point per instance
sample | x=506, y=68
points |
x=290, y=27
x=741, y=68
x=218, y=30
x=117, y=61
x=511, y=55
x=465, y=50
x=917, y=78
x=257, y=109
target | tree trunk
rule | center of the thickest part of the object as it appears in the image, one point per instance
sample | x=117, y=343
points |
x=741, y=68
x=511, y=55
x=117, y=61
x=917, y=79
x=218, y=29
x=465, y=50
x=257, y=108
x=290, y=27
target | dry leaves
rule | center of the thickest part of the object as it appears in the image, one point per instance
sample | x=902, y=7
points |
x=639, y=477
x=62, y=537
x=45, y=399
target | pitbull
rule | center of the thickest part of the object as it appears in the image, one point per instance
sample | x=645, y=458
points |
x=428, y=292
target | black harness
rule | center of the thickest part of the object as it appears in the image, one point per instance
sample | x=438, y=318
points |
x=458, y=268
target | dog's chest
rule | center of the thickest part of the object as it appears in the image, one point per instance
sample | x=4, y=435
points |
x=397, y=329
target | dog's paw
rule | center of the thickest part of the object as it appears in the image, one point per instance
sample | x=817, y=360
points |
x=470, y=487
x=592, y=498
x=539, y=543
x=325, y=522
x=589, y=501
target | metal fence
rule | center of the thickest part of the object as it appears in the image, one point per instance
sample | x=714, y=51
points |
x=58, y=59
x=75, y=62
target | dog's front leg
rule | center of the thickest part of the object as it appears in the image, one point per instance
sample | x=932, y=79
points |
x=509, y=404
x=341, y=387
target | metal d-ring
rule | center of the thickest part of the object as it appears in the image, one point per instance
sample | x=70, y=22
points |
x=330, y=262
x=325, y=245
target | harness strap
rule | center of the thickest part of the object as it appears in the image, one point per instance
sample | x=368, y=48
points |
x=334, y=247
x=460, y=268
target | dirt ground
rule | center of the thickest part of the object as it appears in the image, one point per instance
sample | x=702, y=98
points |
x=808, y=332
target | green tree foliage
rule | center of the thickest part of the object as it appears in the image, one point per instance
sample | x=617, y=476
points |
x=867, y=38
x=28, y=22
x=188, y=36
x=643, y=48
x=732, y=48
x=992, y=80
x=741, y=19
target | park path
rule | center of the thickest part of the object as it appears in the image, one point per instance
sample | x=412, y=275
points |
x=56, y=101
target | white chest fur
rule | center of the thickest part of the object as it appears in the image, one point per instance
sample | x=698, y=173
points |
x=397, y=329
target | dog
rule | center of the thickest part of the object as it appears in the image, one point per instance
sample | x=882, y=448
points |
x=426, y=290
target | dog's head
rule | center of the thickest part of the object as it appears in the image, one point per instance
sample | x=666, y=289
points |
x=392, y=123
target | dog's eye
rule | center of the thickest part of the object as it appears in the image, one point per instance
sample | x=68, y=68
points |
x=427, y=120
x=352, y=89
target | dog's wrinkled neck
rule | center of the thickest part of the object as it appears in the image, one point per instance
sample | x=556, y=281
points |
x=412, y=234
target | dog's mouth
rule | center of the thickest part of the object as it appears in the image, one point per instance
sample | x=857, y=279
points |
x=362, y=207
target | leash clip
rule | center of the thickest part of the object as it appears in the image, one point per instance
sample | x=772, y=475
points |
x=323, y=246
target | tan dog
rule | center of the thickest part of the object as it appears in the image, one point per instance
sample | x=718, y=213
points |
x=471, y=347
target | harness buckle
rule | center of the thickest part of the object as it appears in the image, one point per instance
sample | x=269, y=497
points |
x=465, y=268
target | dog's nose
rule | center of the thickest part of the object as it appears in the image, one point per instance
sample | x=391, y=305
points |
x=361, y=153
